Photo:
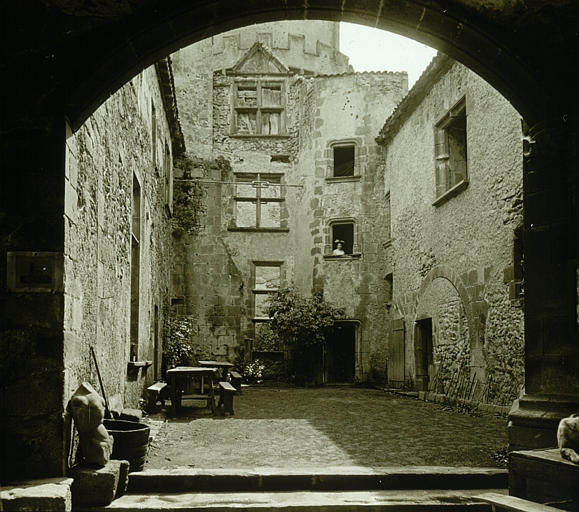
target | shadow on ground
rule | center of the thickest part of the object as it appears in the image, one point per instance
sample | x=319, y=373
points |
x=329, y=426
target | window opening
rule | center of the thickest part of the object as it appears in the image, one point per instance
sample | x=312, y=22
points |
x=344, y=159
x=451, y=149
x=267, y=281
x=135, y=268
x=389, y=278
x=258, y=200
x=387, y=218
x=153, y=134
x=168, y=172
x=258, y=108
x=343, y=234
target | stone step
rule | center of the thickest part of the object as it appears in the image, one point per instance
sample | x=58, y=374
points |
x=323, y=479
x=298, y=501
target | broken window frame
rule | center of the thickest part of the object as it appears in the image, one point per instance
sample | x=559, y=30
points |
x=259, y=199
x=331, y=176
x=260, y=109
x=451, y=152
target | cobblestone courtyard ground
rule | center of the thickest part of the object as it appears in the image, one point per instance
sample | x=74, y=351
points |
x=332, y=426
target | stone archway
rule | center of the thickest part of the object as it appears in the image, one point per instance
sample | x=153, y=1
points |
x=443, y=308
x=64, y=58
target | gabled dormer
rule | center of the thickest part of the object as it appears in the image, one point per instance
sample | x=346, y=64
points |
x=259, y=60
x=258, y=96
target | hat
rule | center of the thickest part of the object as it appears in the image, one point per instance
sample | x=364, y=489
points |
x=338, y=241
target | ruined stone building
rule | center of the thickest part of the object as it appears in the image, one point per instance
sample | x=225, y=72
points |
x=280, y=103
x=430, y=278
x=289, y=149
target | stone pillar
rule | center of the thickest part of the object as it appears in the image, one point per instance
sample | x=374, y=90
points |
x=31, y=284
x=551, y=258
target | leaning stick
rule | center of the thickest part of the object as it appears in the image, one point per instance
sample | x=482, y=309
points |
x=107, y=411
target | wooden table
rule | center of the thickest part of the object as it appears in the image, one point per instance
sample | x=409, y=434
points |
x=224, y=366
x=179, y=377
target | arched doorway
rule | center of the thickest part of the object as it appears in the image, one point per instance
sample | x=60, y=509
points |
x=441, y=336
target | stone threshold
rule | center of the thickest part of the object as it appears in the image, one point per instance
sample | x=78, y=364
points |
x=182, y=479
x=352, y=501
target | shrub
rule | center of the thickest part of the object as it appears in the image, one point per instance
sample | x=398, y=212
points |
x=178, y=348
x=300, y=320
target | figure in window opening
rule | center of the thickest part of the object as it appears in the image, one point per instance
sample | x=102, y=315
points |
x=339, y=250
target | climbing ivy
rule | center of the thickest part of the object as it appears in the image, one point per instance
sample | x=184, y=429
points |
x=188, y=194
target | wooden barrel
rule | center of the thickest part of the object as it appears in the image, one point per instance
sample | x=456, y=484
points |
x=131, y=441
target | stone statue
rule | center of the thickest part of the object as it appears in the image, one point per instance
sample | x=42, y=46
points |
x=568, y=438
x=88, y=411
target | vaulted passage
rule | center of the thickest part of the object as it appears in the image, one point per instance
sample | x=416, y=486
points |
x=81, y=53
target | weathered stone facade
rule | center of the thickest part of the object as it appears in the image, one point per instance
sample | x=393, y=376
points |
x=102, y=167
x=103, y=302
x=455, y=260
x=304, y=47
x=452, y=262
x=217, y=273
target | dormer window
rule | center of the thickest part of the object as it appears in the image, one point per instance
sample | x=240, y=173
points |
x=258, y=108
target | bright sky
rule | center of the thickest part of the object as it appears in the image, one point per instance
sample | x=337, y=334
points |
x=372, y=49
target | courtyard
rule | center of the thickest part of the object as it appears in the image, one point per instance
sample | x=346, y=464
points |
x=297, y=428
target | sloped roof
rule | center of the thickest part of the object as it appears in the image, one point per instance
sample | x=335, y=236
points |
x=439, y=65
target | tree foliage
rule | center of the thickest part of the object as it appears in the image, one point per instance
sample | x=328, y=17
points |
x=300, y=320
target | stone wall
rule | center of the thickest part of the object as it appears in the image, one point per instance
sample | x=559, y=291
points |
x=310, y=46
x=467, y=240
x=114, y=145
x=318, y=111
x=337, y=109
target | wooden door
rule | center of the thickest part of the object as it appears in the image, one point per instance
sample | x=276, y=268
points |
x=397, y=360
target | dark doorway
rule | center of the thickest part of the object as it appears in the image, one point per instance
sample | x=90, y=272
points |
x=423, y=352
x=341, y=354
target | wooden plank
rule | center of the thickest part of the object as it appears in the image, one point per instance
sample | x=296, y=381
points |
x=511, y=503
x=158, y=386
x=396, y=361
x=226, y=386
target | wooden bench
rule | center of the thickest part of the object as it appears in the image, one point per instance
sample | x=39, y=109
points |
x=236, y=380
x=226, y=392
x=154, y=395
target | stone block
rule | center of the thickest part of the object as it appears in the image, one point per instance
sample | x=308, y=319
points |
x=123, y=478
x=542, y=476
x=46, y=495
x=131, y=415
x=99, y=486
